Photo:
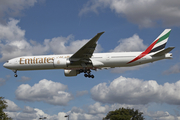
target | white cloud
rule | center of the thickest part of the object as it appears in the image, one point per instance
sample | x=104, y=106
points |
x=85, y=116
x=135, y=91
x=161, y=115
x=173, y=70
x=28, y=109
x=145, y=13
x=77, y=110
x=61, y=116
x=95, y=112
x=13, y=8
x=158, y=114
x=40, y=113
x=24, y=79
x=46, y=90
x=81, y=93
x=169, y=117
x=26, y=116
x=130, y=44
x=11, y=31
x=12, y=107
x=3, y=80
x=36, y=114
x=66, y=45
x=98, y=109
x=13, y=43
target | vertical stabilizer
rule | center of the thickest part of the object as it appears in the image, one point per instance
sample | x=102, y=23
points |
x=158, y=45
x=161, y=40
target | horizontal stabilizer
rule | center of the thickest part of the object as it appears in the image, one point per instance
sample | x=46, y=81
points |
x=163, y=52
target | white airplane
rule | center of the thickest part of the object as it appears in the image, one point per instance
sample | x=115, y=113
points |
x=85, y=60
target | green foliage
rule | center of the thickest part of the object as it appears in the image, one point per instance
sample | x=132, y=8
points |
x=124, y=114
x=3, y=116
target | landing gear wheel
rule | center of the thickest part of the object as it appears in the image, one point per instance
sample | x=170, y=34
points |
x=85, y=75
x=15, y=71
x=88, y=75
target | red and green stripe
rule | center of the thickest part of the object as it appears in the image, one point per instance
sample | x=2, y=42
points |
x=151, y=49
x=161, y=46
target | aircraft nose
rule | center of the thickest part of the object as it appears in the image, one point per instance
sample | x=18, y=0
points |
x=8, y=65
x=5, y=65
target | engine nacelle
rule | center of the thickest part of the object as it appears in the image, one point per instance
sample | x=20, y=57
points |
x=61, y=63
x=70, y=73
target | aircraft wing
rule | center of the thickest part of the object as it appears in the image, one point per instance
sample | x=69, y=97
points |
x=85, y=52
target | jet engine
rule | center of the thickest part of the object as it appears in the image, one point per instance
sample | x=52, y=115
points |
x=70, y=73
x=61, y=63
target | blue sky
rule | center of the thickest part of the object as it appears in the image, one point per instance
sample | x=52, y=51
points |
x=40, y=27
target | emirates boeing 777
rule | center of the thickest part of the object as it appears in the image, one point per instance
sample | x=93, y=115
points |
x=85, y=60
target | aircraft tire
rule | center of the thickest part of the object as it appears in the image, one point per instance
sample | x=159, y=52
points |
x=85, y=75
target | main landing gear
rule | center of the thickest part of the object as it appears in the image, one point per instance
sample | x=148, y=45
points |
x=87, y=73
x=15, y=71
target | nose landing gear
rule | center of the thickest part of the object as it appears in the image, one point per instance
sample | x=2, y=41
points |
x=15, y=71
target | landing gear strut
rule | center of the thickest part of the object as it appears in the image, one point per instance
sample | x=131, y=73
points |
x=87, y=73
x=15, y=71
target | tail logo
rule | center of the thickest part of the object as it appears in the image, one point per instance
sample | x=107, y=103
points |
x=157, y=45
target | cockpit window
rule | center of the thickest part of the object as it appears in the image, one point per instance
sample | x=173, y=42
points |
x=7, y=61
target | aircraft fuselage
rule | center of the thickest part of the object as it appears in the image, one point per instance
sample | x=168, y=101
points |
x=98, y=60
